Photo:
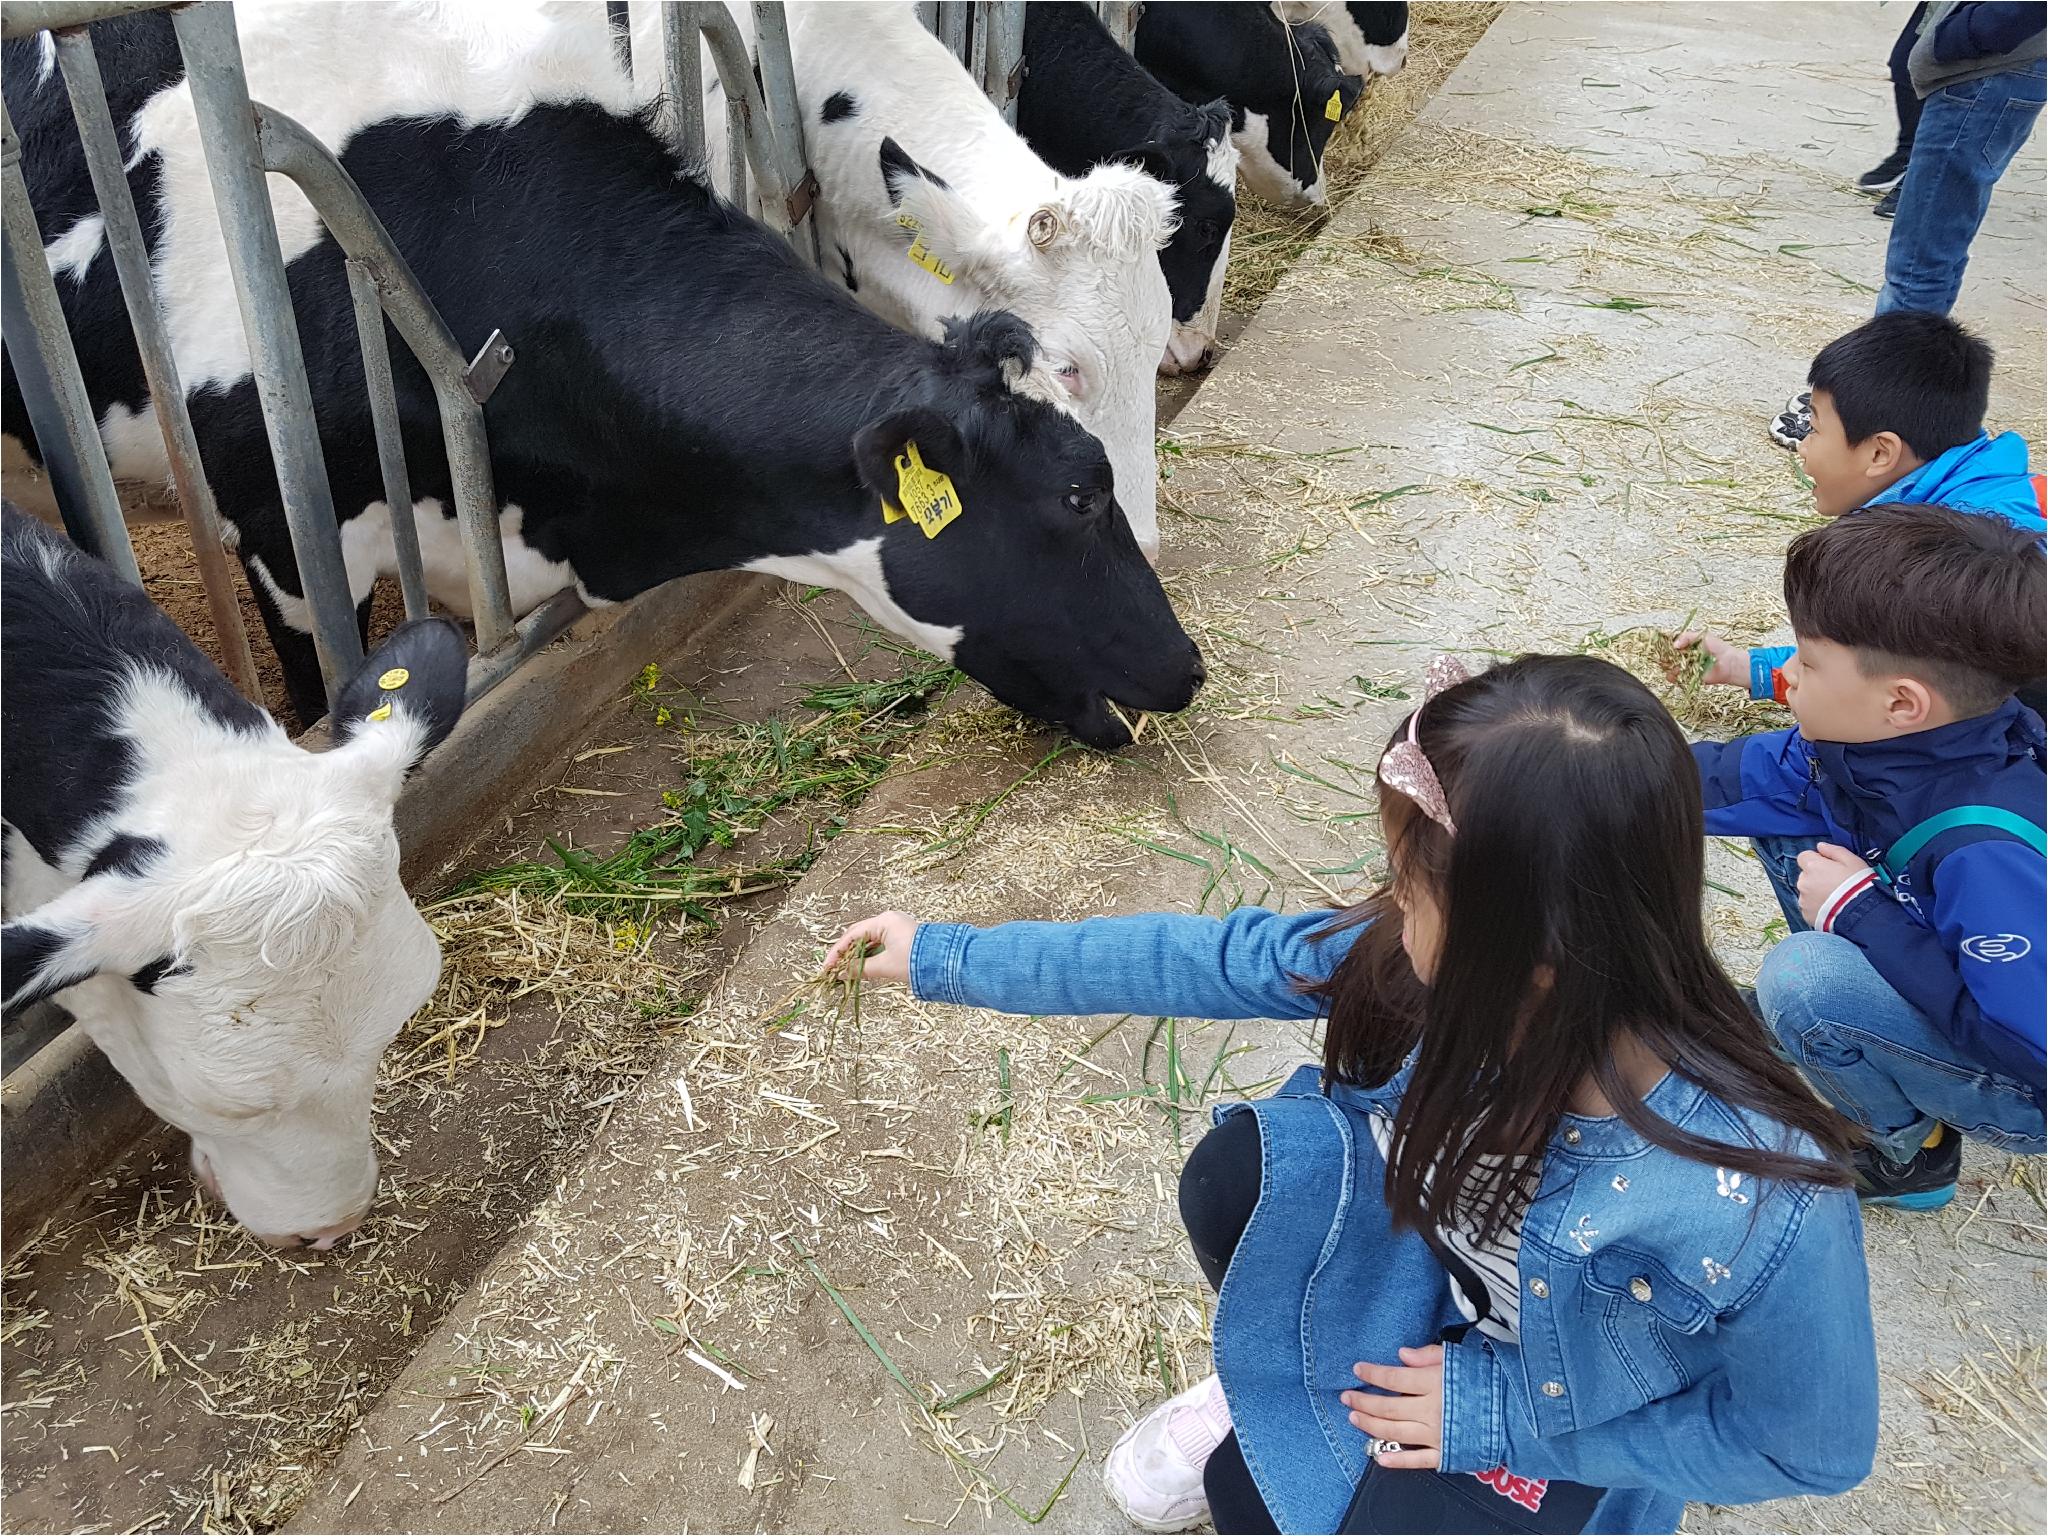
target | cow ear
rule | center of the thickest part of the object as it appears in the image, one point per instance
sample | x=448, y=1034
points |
x=876, y=445
x=939, y=231
x=95, y=926
x=412, y=686
x=993, y=339
x=1215, y=120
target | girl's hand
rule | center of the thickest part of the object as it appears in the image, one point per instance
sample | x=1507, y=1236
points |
x=1414, y=1416
x=888, y=939
x=1823, y=870
x=1730, y=666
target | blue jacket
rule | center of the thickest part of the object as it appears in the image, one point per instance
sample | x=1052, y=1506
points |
x=1987, y=475
x=1961, y=932
x=1672, y=1324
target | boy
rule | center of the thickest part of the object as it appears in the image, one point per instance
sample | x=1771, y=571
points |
x=1901, y=824
x=1897, y=415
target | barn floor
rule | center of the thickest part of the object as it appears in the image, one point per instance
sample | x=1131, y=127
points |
x=674, y=1241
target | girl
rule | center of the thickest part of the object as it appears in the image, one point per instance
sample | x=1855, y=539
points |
x=1587, y=1243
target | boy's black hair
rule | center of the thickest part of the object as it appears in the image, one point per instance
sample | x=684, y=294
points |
x=1920, y=375
x=1953, y=598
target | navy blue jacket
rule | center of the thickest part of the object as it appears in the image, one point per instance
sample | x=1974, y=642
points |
x=1979, y=30
x=1960, y=931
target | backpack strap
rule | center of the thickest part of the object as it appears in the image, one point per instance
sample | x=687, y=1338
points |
x=1901, y=853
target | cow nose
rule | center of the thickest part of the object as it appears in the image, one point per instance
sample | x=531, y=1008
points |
x=202, y=1173
x=1199, y=676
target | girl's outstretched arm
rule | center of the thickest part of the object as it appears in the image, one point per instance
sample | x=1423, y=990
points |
x=1248, y=965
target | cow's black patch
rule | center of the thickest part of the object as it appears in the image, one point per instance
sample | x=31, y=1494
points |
x=838, y=108
x=898, y=167
x=846, y=266
x=27, y=953
x=145, y=980
x=125, y=854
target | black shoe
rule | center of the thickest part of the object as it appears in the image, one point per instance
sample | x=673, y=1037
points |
x=1889, y=174
x=1792, y=424
x=1888, y=205
x=1924, y=1182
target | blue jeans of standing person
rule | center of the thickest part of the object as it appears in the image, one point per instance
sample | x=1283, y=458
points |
x=1868, y=1051
x=1967, y=135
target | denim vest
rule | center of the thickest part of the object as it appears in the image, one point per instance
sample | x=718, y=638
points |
x=1675, y=1317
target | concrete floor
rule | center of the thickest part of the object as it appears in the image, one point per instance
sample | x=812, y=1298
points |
x=1513, y=396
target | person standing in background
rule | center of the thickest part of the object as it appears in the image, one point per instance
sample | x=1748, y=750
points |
x=1979, y=73
x=1891, y=170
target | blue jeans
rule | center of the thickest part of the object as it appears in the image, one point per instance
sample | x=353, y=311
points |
x=1869, y=1052
x=1967, y=135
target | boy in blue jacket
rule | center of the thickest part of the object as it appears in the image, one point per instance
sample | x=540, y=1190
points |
x=1896, y=415
x=1902, y=826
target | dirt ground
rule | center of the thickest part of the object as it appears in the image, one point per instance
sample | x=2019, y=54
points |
x=672, y=1241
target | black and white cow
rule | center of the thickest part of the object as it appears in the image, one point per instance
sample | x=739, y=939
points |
x=1086, y=102
x=689, y=395
x=218, y=908
x=1286, y=91
x=1371, y=38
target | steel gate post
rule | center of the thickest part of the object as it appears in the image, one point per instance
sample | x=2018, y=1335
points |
x=682, y=79
x=227, y=139
x=102, y=146
x=53, y=389
x=383, y=393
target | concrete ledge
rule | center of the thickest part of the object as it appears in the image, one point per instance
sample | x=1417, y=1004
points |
x=68, y=1115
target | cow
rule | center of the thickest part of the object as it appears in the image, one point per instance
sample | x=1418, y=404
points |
x=1286, y=91
x=1086, y=102
x=1371, y=38
x=689, y=394
x=930, y=206
x=218, y=908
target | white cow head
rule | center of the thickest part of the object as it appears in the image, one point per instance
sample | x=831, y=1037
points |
x=1081, y=267
x=249, y=952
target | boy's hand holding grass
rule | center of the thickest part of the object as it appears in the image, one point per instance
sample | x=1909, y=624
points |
x=886, y=940
x=1729, y=663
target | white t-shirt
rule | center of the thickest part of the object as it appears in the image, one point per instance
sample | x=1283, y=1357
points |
x=1494, y=1263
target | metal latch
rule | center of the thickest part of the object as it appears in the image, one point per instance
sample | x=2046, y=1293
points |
x=488, y=368
x=802, y=197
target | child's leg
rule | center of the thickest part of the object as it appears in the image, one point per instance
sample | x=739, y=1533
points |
x=1219, y=1186
x=1780, y=859
x=1877, y=1058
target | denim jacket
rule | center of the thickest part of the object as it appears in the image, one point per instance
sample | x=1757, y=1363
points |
x=1677, y=1320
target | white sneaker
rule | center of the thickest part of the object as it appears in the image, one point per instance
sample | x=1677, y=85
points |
x=1154, y=1472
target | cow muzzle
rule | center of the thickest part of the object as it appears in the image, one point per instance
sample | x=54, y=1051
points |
x=1189, y=349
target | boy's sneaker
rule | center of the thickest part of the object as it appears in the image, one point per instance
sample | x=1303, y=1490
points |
x=1926, y=1181
x=1888, y=205
x=1889, y=174
x=1154, y=1472
x=1794, y=422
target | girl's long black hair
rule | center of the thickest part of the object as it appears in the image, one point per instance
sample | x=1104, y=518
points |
x=1580, y=848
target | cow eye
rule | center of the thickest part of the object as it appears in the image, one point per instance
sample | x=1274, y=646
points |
x=1086, y=500
x=1069, y=375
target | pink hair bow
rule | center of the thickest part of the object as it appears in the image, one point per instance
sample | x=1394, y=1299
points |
x=1405, y=768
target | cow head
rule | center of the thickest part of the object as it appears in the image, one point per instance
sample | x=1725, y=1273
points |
x=1376, y=42
x=1283, y=149
x=1037, y=588
x=248, y=956
x=1200, y=163
x=1080, y=266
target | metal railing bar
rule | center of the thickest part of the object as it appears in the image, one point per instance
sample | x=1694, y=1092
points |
x=999, y=54
x=81, y=70
x=289, y=150
x=1121, y=18
x=25, y=18
x=220, y=98
x=53, y=389
x=618, y=15
x=955, y=17
x=682, y=80
x=405, y=533
x=785, y=122
x=533, y=632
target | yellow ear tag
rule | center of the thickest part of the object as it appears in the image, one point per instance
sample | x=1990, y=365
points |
x=397, y=677
x=381, y=712
x=925, y=496
x=1333, y=109
x=919, y=254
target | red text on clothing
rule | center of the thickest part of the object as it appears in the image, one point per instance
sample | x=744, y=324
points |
x=1525, y=1491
